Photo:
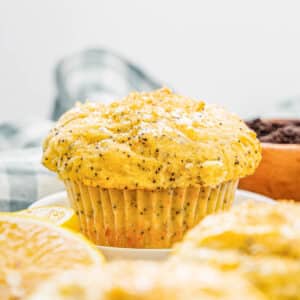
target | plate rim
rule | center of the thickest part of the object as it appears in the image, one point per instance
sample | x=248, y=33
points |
x=117, y=249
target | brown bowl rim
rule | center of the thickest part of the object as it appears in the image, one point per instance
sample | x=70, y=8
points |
x=280, y=146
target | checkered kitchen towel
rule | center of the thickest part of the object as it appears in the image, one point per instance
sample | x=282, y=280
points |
x=23, y=179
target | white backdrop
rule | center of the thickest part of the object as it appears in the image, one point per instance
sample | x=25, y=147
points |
x=243, y=54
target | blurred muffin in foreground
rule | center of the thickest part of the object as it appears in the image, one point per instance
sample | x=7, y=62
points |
x=141, y=171
x=259, y=241
x=278, y=173
x=148, y=281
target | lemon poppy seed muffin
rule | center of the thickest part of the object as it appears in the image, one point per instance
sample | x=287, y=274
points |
x=141, y=280
x=259, y=241
x=143, y=170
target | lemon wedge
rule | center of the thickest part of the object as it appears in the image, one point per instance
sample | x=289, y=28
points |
x=58, y=215
x=31, y=251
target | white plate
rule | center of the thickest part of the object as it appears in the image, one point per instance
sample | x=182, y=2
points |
x=113, y=253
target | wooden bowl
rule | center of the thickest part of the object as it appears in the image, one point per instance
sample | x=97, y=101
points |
x=278, y=175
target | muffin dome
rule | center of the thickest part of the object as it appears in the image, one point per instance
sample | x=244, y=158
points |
x=142, y=280
x=259, y=241
x=251, y=229
x=154, y=140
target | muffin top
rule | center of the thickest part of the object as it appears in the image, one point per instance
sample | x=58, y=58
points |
x=142, y=280
x=252, y=229
x=151, y=141
x=258, y=240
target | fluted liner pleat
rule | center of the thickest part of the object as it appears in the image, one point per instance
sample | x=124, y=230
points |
x=144, y=218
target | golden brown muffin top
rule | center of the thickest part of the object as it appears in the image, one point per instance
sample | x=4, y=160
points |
x=257, y=240
x=137, y=280
x=151, y=141
x=252, y=229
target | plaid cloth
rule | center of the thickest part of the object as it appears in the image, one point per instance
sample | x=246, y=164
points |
x=23, y=179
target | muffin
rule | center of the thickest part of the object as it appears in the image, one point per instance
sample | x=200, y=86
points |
x=141, y=171
x=259, y=241
x=138, y=280
x=278, y=173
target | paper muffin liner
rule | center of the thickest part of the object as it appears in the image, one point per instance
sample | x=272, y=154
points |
x=143, y=218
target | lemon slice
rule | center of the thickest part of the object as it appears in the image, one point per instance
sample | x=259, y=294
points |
x=58, y=215
x=32, y=250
